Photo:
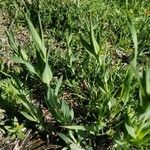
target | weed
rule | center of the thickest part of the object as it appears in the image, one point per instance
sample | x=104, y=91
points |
x=96, y=52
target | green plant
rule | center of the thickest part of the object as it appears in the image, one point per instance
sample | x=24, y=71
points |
x=42, y=71
x=59, y=108
x=101, y=85
x=16, y=130
x=72, y=142
x=95, y=46
x=15, y=97
x=104, y=106
x=138, y=124
x=46, y=77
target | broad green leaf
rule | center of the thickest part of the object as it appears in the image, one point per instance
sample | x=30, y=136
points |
x=68, y=113
x=36, y=38
x=134, y=38
x=30, y=68
x=71, y=134
x=64, y=109
x=52, y=99
x=131, y=131
x=94, y=42
x=54, y=107
x=58, y=85
x=47, y=75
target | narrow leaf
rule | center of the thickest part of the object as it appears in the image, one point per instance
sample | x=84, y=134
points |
x=28, y=116
x=65, y=138
x=88, y=47
x=28, y=65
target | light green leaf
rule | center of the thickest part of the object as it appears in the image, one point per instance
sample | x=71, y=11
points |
x=148, y=80
x=12, y=41
x=30, y=68
x=71, y=134
x=24, y=55
x=65, y=138
x=82, y=128
x=28, y=65
x=36, y=38
x=94, y=42
x=47, y=74
x=78, y=127
x=18, y=60
x=134, y=38
x=126, y=84
x=28, y=116
x=72, y=114
x=64, y=108
x=130, y=130
x=74, y=146
x=58, y=85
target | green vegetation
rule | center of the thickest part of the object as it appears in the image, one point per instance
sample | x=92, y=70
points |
x=75, y=73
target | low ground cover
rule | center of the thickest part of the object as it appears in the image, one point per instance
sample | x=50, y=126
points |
x=75, y=74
